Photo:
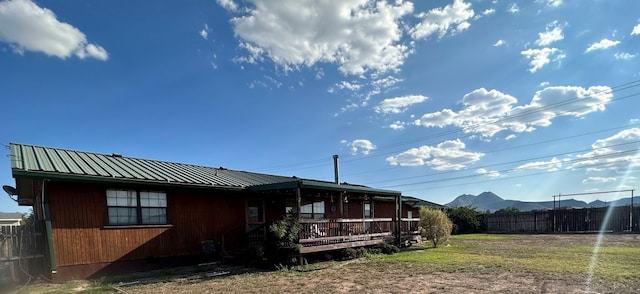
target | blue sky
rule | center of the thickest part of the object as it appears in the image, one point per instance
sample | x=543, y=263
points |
x=527, y=99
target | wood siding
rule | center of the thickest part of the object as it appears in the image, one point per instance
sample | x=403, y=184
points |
x=79, y=217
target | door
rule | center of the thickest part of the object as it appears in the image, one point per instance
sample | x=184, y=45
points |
x=255, y=214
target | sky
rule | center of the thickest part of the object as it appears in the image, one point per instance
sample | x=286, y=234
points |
x=526, y=99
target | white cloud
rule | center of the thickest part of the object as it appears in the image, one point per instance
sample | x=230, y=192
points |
x=612, y=144
x=489, y=11
x=399, y=104
x=384, y=82
x=554, y=3
x=26, y=26
x=204, y=33
x=603, y=44
x=541, y=57
x=486, y=12
x=553, y=33
x=636, y=30
x=228, y=5
x=510, y=137
x=448, y=155
x=351, y=86
x=499, y=43
x=513, y=8
x=438, y=119
x=92, y=50
x=491, y=174
x=584, y=101
x=362, y=146
x=489, y=112
x=398, y=125
x=551, y=165
x=451, y=19
x=598, y=180
x=617, y=153
x=357, y=35
x=624, y=55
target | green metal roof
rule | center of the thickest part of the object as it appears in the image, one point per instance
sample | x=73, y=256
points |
x=27, y=160
x=323, y=185
x=417, y=202
x=54, y=163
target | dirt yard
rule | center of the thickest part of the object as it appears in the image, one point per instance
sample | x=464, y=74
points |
x=502, y=264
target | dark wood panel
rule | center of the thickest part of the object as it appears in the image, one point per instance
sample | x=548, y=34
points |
x=78, y=217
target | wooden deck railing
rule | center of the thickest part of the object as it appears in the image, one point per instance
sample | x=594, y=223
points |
x=324, y=234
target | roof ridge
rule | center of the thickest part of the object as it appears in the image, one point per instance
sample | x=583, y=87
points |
x=64, y=162
x=120, y=155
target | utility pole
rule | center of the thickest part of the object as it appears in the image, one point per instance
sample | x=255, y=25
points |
x=631, y=214
x=554, y=212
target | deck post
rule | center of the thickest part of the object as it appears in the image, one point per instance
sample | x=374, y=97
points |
x=398, y=219
x=341, y=205
x=298, y=217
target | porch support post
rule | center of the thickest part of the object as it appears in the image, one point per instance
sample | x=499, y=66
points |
x=341, y=205
x=298, y=216
x=398, y=225
x=298, y=202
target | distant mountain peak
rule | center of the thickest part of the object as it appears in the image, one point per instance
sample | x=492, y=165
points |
x=489, y=201
x=488, y=196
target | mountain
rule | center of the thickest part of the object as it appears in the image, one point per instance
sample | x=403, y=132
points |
x=488, y=201
x=462, y=200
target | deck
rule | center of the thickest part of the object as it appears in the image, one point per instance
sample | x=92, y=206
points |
x=317, y=235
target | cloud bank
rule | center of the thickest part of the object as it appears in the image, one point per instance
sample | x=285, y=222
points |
x=29, y=27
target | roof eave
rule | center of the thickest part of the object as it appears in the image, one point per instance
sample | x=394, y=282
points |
x=98, y=179
x=310, y=184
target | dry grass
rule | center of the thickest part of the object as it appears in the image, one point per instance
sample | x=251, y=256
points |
x=470, y=264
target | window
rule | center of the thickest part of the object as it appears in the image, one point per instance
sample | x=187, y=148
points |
x=130, y=207
x=367, y=212
x=308, y=209
x=255, y=215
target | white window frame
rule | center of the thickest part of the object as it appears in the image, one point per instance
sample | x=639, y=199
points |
x=126, y=207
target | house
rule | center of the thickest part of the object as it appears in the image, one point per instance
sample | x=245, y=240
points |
x=107, y=212
x=10, y=218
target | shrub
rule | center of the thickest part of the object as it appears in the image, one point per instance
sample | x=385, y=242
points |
x=350, y=253
x=466, y=220
x=435, y=225
x=285, y=231
x=281, y=245
x=387, y=248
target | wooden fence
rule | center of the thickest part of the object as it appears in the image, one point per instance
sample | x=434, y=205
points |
x=575, y=220
x=22, y=252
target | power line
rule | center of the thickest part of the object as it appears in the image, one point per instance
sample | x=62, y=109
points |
x=527, y=145
x=317, y=162
x=505, y=178
x=512, y=162
x=516, y=169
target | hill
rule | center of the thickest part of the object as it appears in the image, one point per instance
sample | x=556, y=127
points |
x=488, y=201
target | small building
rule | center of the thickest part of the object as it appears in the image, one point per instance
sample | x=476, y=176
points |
x=10, y=218
x=107, y=212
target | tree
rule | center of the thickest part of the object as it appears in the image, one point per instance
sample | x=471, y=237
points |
x=466, y=220
x=435, y=225
x=508, y=210
x=27, y=218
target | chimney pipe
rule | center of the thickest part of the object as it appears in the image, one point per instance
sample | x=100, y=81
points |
x=335, y=168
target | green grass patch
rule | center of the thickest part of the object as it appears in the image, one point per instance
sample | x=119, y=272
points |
x=482, y=237
x=523, y=253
